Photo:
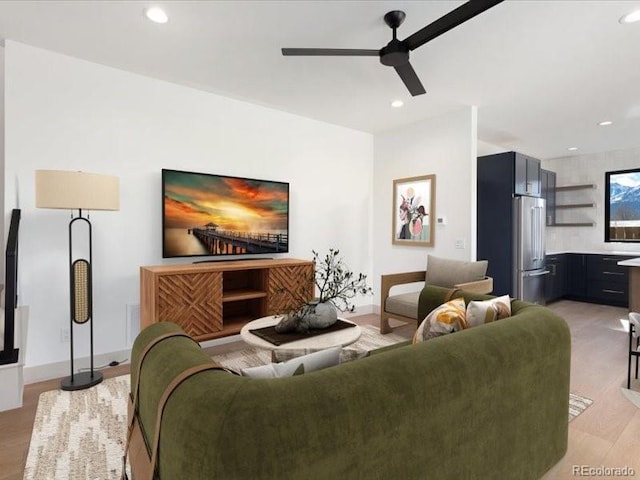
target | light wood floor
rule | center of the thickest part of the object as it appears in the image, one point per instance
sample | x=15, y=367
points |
x=606, y=434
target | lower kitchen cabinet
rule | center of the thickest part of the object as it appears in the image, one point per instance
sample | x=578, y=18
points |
x=576, y=276
x=556, y=280
x=607, y=282
x=597, y=278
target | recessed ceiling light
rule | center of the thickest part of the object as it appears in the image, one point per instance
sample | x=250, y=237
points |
x=572, y=149
x=397, y=103
x=156, y=14
x=605, y=123
x=630, y=17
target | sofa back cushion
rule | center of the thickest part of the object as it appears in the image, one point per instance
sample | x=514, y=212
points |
x=445, y=272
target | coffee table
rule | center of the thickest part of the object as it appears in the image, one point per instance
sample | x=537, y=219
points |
x=339, y=338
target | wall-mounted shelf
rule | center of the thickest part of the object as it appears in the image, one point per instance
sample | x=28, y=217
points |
x=567, y=188
x=577, y=203
x=573, y=224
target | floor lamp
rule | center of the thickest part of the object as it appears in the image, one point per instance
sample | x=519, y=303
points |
x=81, y=192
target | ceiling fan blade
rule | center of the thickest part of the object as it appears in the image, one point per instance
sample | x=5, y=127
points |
x=410, y=79
x=340, y=52
x=451, y=20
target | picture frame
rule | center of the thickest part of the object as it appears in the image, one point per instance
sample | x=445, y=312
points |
x=414, y=200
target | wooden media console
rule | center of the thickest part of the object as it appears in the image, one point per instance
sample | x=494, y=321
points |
x=212, y=300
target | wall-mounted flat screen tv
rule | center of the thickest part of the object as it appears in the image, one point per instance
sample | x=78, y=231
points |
x=622, y=206
x=217, y=215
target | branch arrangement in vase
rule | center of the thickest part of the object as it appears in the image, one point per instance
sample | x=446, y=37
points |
x=337, y=286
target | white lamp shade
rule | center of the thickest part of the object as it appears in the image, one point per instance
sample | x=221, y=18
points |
x=77, y=190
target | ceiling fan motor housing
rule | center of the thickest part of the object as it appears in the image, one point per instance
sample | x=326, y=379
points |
x=396, y=53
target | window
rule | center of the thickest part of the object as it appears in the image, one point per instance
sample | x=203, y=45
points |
x=622, y=206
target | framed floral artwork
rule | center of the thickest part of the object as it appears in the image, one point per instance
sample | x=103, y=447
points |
x=414, y=200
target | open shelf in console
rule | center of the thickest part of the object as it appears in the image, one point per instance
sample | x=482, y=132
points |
x=240, y=285
x=242, y=311
x=231, y=326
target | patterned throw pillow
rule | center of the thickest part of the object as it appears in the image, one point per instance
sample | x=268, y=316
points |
x=481, y=312
x=447, y=318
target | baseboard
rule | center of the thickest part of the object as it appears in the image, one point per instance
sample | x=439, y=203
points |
x=220, y=341
x=362, y=310
x=49, y=371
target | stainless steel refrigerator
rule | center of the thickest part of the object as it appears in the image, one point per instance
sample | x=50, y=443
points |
x=529, y=249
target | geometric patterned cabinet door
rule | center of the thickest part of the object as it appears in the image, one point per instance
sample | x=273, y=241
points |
x=289, y=287
x=191, y=300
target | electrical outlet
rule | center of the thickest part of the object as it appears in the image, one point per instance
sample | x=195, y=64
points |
x=460, y=244
x=65, y=335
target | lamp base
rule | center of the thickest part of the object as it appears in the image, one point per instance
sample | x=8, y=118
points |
x=80, y=381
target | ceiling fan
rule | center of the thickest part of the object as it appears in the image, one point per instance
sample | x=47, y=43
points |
x=396, y=53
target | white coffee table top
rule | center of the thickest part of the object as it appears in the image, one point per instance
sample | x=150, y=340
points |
x=339, y=338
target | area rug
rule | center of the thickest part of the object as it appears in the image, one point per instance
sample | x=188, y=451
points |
x=577, y=405
x=79, y=435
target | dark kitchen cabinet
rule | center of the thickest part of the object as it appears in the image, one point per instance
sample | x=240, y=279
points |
x=527, y=175
x=556, y=280
x=597, y=279
x=498, y=178
x=548, y=192
x=576, y=276
x=607, y=282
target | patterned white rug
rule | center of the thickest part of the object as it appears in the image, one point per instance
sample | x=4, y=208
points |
x=80, y=435
x=577, y=405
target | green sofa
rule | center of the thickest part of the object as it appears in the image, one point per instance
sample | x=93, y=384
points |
x=490, y=402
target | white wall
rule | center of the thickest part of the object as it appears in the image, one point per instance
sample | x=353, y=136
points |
x=2, y=224
x=486, y=148
x=585, y=169
x=445, y=146
x=69, y=114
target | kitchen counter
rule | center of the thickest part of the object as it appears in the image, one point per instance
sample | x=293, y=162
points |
x=595, y=252
x=632, y=262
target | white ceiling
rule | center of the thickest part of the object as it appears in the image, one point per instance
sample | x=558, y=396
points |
x=542, y=73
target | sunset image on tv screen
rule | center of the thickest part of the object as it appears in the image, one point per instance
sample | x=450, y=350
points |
x=219, y=215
